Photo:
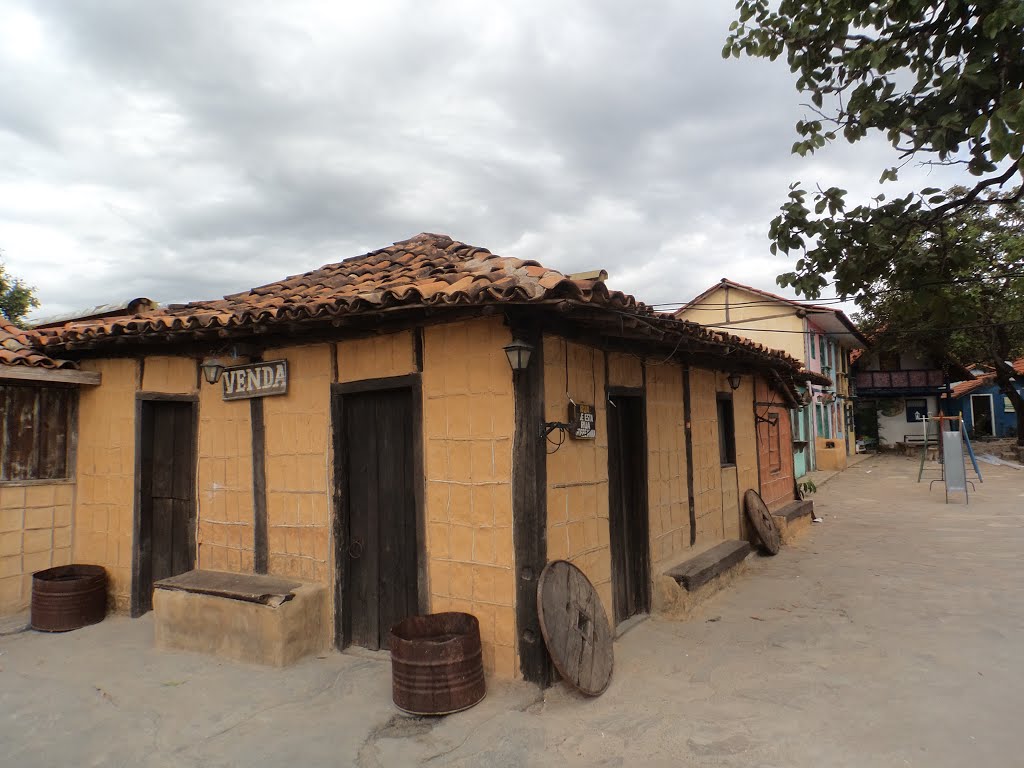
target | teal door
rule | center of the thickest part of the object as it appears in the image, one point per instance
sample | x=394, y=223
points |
x=800, y=446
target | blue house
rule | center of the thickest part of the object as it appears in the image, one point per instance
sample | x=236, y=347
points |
x=986, y=411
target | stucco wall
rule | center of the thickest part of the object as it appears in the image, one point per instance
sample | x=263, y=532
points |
x=892, y=429
x=35, y=533
x=667, y=493
x=105, y=497
x=771, y=325
x=298, y=433
x=468, y=423
x=777, y=483
x=577, y=472
x=224, y=539
x=707, y=474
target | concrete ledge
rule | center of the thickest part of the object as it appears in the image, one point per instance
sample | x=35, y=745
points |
x=240, y=630
x=793, y=519
x=698, y=571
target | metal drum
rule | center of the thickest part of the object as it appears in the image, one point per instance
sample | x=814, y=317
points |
x=437, y=663
x=68, y=597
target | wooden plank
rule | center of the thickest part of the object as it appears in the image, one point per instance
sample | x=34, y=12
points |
x=54, y=416
x=529, y=509
x=699, y=570
x=21, y=459
x=360, y=489
x=617, y=510
x=261, y=554
x=575, y=628
x=248, y=587
x=162, y=473
x=163, y=539
x=21, y=373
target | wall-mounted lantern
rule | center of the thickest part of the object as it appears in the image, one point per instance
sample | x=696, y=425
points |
x=212, y=370
x=518, y=353
x=734, y=380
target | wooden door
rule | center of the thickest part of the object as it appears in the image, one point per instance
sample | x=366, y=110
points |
x=377, y=549
x=166, y=542
x=627, y=513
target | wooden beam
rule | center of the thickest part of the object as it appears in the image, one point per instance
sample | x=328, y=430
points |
x=260, y=544
x=48, y=375
x=529, y=509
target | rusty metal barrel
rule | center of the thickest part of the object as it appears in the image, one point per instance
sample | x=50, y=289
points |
x=68, y=597
x=437, y=663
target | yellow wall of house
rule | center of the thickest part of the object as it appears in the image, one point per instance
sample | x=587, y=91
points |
x=468, y=424
x=35, y=533
x=172, y=375
x=577, y=472
x=775, y=326
x=105, y=495
x=707, y=474
x=224, y=540
x=298, y=436
x=376, y=357
x=746, y=454
x=830, y=459
x=666, y=466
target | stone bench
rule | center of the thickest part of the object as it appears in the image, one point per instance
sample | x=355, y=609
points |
x=793, y=519
x=241, y=616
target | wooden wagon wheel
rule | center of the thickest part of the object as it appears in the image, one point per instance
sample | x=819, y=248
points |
x=763, y=522
x=575, y=627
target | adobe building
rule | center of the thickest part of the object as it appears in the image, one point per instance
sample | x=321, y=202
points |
x=421, y=429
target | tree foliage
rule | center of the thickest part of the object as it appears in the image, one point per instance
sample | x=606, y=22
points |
x=942, y=80
x=16, y=298
x=959, y=291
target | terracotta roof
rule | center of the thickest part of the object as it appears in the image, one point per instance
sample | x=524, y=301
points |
x=19, y=347
x=985, y=380
x=426, y=271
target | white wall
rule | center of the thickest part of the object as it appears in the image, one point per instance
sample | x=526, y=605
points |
x=892, y=429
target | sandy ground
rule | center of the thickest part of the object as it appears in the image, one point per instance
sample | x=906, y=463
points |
x=890, y=635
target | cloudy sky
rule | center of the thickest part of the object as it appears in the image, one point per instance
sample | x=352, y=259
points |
x=186, y=149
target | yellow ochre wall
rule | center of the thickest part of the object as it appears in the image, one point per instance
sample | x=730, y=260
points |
x=297, y=450
x=35, y=533
x=577, y=473
x=775, y=326
x=666, y=466
x=105, y=472
x=468, y=423
x=224, y=540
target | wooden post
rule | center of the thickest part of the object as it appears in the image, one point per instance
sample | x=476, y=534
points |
x=529, y=510
x=688, y=430
x=260, y=545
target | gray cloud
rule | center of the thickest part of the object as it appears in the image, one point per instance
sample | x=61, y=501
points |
x=185, y=150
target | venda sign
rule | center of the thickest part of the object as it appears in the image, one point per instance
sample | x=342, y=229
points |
x=255, y=380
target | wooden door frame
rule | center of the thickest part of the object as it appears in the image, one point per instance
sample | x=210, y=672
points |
x=141, y=399
x=413, y=383
x=641, y=394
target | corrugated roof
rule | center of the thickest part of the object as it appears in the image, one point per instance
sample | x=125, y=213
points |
x=20, y=347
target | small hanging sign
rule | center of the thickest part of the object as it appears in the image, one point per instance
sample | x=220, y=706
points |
x=582, y=421
x=242, y=382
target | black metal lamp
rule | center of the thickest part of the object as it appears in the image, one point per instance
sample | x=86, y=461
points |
x=212, y=370
x=518, y=353
x=734, y=380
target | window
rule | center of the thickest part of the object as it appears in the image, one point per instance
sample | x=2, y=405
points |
x=821, y=348
x=774, y=444
x=726, y=431
x=915, y=407
x=889, y=361
x=813, y=337
x=37, y=423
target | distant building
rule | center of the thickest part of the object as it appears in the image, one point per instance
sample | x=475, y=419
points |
x=821, y=338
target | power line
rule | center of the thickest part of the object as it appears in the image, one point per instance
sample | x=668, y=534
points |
x=808, y=303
